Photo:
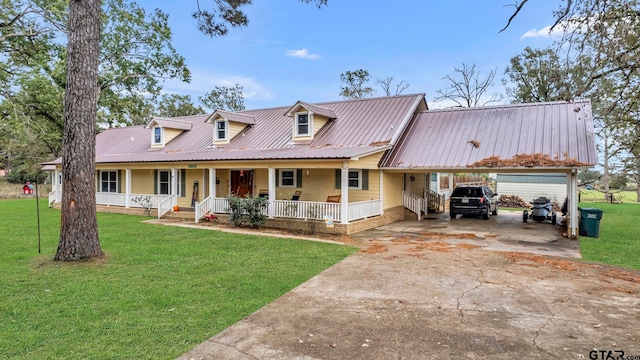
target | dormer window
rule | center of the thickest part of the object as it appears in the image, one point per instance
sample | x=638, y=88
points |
x=221, y=130
x=303, y=127
x=157, y=135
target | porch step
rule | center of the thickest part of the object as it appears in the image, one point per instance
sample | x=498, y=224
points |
x=180, y=215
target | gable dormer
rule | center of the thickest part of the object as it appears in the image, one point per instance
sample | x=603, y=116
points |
x=308, y=119
x=226, y=125
x=164, y=130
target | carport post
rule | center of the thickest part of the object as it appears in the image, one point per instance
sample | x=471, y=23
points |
x=572, y=204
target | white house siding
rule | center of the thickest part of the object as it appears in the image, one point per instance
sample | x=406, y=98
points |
x=531, y=186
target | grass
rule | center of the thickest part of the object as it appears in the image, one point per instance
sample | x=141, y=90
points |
x=619, y=239
x=598, y=196
x=159, y=292
x=14, y=191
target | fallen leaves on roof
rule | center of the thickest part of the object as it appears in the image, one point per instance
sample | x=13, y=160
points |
x=526, y=160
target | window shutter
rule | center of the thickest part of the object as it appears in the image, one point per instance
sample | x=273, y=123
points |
x=299, y=178
x=183, y=182
x=338, y=184
x=277, y=177
x=155, y=182
x=98, y=187
x=119, y=181
x=365, y=179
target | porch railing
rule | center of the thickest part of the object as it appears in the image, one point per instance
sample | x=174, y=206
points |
x=110, y=199
x=164, y=206
x=413, y=202
x=213, y=204
x=434, y=201
x=52, y=197
x=364, y=209
x=306, y=209
x=143, y=200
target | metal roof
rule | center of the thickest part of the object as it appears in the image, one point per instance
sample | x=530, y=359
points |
x=540, y=135
x=233, y=116
x=316, y=109
x=173, y=123
x=366, y=126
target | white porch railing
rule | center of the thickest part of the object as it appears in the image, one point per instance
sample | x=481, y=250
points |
x=364, y=209
x=143, y=200
x=306, y=209
x=52, y=197
x=215, y=205
x=413, y=202
x=164, y=206
x=110, y=199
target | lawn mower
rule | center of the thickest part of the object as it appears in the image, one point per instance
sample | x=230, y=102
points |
x=542, y=211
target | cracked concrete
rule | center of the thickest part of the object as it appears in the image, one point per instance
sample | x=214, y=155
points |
x=416, y=298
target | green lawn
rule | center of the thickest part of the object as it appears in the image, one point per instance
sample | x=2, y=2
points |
x=619, y=239
x=160, y=291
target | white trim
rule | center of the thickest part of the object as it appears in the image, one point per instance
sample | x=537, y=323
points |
x=272, y=191
x=344, y=193
x=359, y=171
x=296, y=126
x=127, y=187
x=226, y=130
x=295, y=178
x=108, y=181
x=153, y=136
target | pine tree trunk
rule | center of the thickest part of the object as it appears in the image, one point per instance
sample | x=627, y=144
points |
x=79, y=226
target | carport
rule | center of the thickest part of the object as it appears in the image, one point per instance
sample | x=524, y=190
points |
x=551, y=137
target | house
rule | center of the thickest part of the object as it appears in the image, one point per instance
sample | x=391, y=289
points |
x=350, y=161
x=530, y=186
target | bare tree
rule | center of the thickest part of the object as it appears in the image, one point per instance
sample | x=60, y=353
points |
x=387, y=83
x=469, y=89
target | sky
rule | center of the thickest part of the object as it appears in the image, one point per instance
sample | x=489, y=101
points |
x=294, y=51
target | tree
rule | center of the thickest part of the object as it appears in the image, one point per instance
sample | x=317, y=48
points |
x=587, y=176
x=78, y=232
x=469, y=90
x=79, y=226
x=355, y=84
x=224, y=98
x=386, y=84
x=176, y=105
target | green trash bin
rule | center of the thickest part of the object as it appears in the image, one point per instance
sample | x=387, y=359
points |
x=590, y=221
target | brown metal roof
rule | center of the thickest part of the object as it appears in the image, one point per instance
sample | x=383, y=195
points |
x=316, y=109
x=365, y=126
x=542, y=135
x=172, y=123
x=233, y=116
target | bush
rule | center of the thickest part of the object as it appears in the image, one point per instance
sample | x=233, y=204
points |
x=247, y=210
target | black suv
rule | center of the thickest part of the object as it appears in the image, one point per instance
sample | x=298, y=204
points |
x=473, y=200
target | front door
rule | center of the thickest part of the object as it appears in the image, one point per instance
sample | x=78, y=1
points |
x=242, y=182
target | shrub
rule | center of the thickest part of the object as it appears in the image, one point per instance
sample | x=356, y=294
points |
x=247, y=209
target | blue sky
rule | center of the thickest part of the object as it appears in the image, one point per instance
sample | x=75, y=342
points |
x=294, y=51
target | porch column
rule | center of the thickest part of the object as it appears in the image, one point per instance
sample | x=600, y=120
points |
x=174, y=181
x=55, y=182
x=572, y=204
x=212, y=182
x=272, y=192
x=344, y=194
x=127, y=187
x=381, y=195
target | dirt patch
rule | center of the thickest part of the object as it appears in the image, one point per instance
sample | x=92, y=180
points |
x=374, y=249
x=440, y=235
x=433, y=246
x=539, y=260
x=468, y=246
x=622, y=275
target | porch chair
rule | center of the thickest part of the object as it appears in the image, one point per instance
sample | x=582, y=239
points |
x=296, y=196
x=264, y=193
x=333, y=198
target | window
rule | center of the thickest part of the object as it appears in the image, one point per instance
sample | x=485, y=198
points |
x=302, y=124
x=221, y=130
x=164, y=182
x=157, y=135
x=108, y=181
x=355, y=179
x=287, y=178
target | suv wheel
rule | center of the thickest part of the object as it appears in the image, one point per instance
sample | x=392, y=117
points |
x=452, y=214
x=495, y=211
x=487, y=215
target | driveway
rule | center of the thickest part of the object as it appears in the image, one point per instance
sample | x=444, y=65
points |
x=436, y=296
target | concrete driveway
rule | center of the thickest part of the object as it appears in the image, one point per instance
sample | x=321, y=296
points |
x=427, y=296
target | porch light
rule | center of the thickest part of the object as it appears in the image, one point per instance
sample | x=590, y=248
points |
x=241, y=173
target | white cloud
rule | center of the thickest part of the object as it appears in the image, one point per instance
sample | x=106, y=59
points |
x=302, y=54
x=544, y=32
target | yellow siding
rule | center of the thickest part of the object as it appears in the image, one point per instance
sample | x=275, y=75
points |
x=170, y=134
x=367, y=162
x=235, y=128
x=372, y=193
x=315, y=187
x=222, y=189
x=260, y=180
x=417, y=185
x=318, y=123
x=141, y=181
x=392, y=191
